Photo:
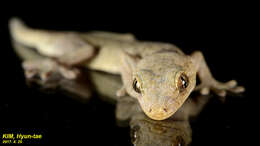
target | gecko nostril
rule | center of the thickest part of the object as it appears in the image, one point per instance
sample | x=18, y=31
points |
x=165, y=109
x=150, y=110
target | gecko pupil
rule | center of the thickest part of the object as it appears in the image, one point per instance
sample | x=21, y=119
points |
x=136, y=86
x=183, y=82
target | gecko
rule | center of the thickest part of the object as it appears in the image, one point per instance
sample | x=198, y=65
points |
x=159, y=75
x=144, y=131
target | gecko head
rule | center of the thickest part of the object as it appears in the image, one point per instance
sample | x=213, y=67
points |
x=163, y=85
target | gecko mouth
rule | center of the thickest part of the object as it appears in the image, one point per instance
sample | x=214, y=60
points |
x=160, y=113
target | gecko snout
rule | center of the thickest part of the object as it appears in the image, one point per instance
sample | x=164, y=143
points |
x=164, y=109
x=160, y=113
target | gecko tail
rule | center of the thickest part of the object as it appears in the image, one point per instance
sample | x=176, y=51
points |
x=16, y=28
x=16, y=23
x=25, y=35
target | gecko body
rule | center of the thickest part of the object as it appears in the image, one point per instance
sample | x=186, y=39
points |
x=159, y=75
x=144, y=131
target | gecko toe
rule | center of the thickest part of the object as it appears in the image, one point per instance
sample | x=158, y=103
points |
x=30, y=74
x=238, y=89
x=231, y=83
x=205, y=91
x=221, y=93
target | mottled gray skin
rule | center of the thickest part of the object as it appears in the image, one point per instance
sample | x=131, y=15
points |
x=159, y=75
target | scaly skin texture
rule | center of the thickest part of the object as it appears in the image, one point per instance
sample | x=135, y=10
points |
x=159, y=75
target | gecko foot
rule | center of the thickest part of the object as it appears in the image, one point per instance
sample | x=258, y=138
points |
x=41, y=69
x=219, y=88
x=47, y=69
x=121, y=92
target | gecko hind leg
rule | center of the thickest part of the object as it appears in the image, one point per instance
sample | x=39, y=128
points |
x=208, y=82
x=74, y=49
x=77, y=57
x=46, y=69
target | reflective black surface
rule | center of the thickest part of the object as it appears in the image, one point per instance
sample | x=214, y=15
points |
x=62, y=119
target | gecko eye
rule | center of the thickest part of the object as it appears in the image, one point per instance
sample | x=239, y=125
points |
x=183, y=82
x=136, y=86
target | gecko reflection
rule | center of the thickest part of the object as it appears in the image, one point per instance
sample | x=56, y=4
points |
x=175, y=131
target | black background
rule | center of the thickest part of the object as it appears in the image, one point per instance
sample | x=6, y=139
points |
x=226, y=34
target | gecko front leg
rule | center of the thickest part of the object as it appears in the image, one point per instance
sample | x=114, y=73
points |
x=208, y=82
